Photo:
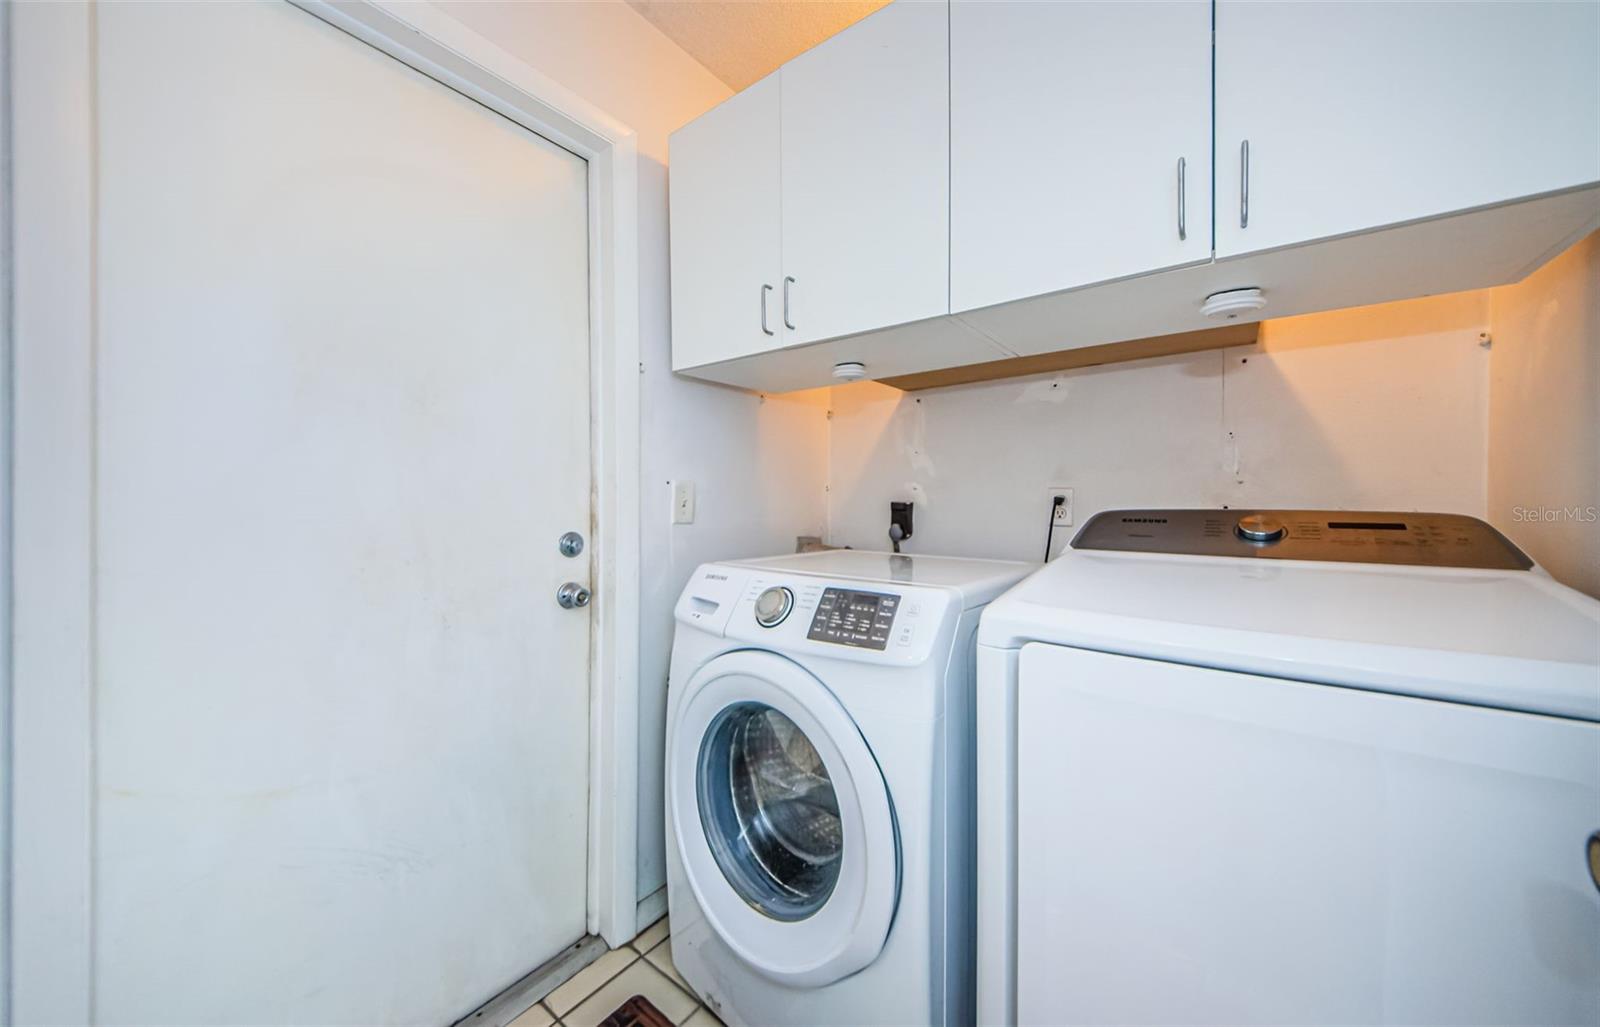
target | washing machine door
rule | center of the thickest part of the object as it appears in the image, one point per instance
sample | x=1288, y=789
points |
x=784, y=823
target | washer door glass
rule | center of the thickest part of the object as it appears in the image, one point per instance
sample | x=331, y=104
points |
x=769, y=811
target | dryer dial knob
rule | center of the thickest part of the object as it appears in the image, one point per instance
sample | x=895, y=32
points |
x=1257, y=528
x=773, y=606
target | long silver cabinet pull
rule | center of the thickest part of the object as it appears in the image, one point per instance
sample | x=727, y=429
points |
x=787, y=323
x=1244, y=184
x=765, y=288
x=1183, y=232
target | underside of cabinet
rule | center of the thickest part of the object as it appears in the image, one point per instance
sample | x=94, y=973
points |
x=1084, y=356
x=1159, y=314
x=1474, y=249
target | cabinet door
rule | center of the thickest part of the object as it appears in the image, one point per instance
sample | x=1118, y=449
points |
x=1359, y=115
x=866, y=158
x=725, y=246
x=1067, y=125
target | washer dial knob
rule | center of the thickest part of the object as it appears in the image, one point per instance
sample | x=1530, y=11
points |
x=1258, y=528
x=773, y=606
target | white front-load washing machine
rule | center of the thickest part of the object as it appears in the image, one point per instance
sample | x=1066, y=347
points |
x=819, y=786
x=1289, y=766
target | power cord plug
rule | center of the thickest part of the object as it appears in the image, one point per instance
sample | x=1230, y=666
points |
x=1056, y=503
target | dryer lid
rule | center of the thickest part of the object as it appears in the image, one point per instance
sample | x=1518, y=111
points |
x=1509, y=639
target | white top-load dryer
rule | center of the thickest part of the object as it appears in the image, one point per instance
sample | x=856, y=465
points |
x=1289, y=767
x=819, y=786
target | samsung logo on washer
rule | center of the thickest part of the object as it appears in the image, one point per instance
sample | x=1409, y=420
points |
x=1144, y=520
x=716, y=577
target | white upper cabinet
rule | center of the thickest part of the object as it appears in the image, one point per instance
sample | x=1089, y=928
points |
x=950, y=184
x=866, y=151
x=726, y=251
x=1068, y=123
x=1359, y=115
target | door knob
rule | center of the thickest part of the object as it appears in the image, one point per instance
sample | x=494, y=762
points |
x=570, y=544
x=571, y=594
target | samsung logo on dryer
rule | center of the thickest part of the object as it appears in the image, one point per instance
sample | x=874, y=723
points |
x=716, y=577
x=1144, y=520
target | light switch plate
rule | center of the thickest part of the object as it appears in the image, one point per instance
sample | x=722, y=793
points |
x=683, y=502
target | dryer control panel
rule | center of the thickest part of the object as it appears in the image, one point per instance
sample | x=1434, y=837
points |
x=1347, y=536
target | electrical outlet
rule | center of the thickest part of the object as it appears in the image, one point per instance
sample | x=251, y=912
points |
x=1061, y=516
x=683, y=502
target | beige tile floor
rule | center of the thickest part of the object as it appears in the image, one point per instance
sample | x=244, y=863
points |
x=642, y=967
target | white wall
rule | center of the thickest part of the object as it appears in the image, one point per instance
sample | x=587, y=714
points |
x=1544, y=414
x=1378, y=407
x=759, y=463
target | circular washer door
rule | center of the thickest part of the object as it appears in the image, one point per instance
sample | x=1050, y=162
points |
x=784, y=823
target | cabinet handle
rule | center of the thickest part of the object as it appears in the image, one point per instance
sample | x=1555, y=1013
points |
x=787, y=281
x=765, y=288
x=1244, y=184
x=1183, y=232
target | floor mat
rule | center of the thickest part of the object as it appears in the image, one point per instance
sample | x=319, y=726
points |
x=636, y=1012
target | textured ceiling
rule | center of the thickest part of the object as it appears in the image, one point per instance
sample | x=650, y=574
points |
x=743, y=40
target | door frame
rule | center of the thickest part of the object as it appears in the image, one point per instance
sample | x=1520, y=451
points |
x=47, y=468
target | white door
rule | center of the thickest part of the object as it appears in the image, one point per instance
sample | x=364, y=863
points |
x=342, y=416
x=724, y=184
x=866, y=157
x=1197, y=846
x=782, y=818
x=1358, y=115
x=1080, y=144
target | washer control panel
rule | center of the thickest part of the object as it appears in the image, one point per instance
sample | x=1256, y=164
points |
x=854, y=617
x=1412, y=539
x=861, y=621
